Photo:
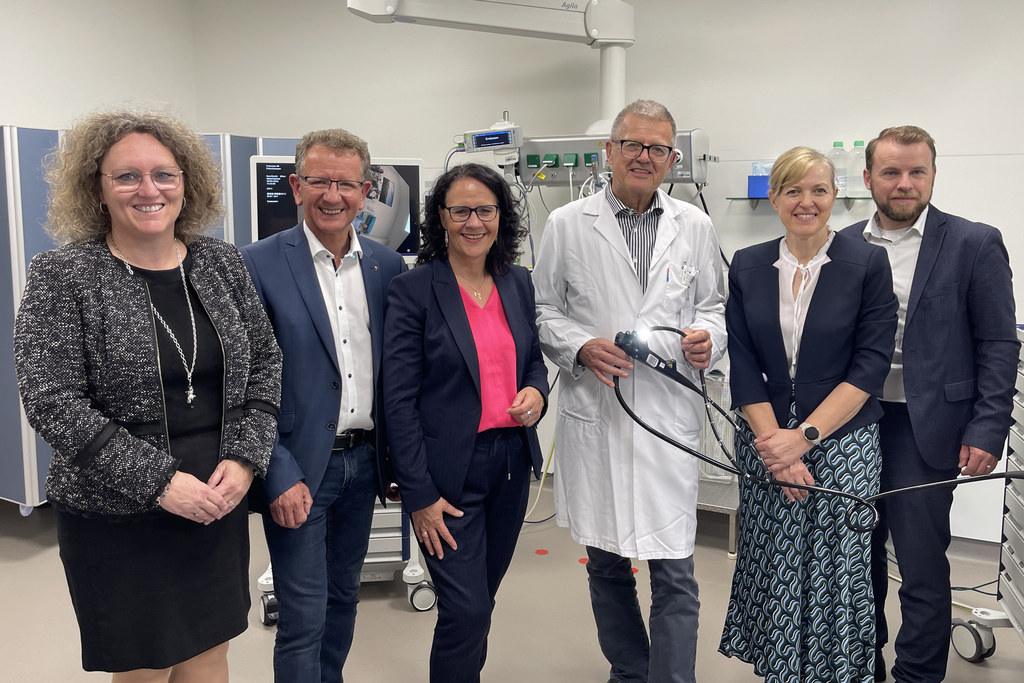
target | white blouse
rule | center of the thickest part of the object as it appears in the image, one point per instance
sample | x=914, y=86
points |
x=793, y=310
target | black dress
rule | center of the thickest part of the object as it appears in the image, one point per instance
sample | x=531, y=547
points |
x=155, y=590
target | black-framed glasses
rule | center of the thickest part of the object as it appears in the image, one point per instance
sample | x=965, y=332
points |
x=461, y=214
x=324, y=184
x=130, y=179
x=631, y=149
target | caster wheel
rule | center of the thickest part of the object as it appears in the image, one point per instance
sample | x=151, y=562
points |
x=268, y=609
x=989, y=652
x=423, y=597
x=967, y=641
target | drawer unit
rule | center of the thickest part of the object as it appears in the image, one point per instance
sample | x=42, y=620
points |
x=1011, y=574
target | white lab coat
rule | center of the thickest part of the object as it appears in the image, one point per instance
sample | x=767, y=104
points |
x=618, y=487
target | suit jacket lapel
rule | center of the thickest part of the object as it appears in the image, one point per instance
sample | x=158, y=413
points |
x=517, y=323
x=301, y=265
x=931, y=243
x=374, y=302
x=449, y=300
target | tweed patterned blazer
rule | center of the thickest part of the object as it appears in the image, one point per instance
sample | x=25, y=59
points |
x=88, y=371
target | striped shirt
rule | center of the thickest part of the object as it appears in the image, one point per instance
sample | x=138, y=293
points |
x=639, y=230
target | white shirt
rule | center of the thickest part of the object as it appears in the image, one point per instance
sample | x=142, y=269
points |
x=902, y=246
x=345, y=300
x=793, y=310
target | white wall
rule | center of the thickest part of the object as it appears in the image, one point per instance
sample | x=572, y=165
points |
x=60, y=59
x=758, y=77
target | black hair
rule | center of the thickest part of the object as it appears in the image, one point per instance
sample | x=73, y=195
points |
x=511, y=230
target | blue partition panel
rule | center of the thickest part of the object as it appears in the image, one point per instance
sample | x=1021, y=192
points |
x=241, y=148
x=34, y=145
x=12, y=465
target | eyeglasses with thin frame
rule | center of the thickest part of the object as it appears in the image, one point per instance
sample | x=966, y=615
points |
x=461, y=214
x=130, y=179
x=631, y=149
x=324, y=184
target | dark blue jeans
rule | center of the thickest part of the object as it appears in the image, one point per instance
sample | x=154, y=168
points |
x=316, y=571
x=670, y=655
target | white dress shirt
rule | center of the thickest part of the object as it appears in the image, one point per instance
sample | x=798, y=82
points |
x=902, y=246
x=345, y=300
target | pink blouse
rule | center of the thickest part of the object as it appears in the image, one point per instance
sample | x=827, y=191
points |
x=496, y=352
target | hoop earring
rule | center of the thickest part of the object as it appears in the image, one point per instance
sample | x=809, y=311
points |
x=183, y=202
x=103, y=208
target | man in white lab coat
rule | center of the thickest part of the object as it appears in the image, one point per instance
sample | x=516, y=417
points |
x=627, y=258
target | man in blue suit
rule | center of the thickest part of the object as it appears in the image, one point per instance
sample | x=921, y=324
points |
x=325, y=292
x=948, y=395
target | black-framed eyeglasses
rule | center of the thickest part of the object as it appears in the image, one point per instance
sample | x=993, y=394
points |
x=631, y=149
x=324, y=184
x=130, y=179
x=461, y=214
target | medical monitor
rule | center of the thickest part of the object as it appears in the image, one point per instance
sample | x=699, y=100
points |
x=390, y=214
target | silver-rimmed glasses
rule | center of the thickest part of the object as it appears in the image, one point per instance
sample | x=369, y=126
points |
x=130, y=179
x=324, y=184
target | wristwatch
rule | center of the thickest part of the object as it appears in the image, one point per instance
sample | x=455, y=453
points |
x=811, y=433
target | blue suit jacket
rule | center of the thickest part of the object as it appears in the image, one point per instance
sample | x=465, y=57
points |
x=282, y=270
x=432, y=378
x=960, y=345
x=849, y=334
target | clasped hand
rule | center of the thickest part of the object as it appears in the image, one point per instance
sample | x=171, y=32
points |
x=192, y=499
x=782, y=451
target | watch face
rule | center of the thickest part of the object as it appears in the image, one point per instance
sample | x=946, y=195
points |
x=811, y=433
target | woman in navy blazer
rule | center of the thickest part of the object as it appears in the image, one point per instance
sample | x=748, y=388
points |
x=464, y=387
x=812, y=322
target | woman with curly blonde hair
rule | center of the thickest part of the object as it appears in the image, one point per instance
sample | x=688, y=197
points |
x=146, y=361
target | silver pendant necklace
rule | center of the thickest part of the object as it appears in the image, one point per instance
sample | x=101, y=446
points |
x=190, y=395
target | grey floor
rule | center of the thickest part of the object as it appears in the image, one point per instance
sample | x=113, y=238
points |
x=543, y=630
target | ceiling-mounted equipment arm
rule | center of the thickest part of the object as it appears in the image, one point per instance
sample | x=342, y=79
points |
x=593, y=22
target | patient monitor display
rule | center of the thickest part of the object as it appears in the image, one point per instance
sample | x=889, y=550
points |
x=390, y=214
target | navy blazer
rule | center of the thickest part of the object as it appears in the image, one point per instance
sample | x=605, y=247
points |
x=432, y=378
x=960, y=345
x=282, y=270
x=849, y=334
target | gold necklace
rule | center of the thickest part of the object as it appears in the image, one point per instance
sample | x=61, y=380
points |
x=476, y=290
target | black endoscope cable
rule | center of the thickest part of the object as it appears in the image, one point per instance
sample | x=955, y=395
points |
x=636, y=348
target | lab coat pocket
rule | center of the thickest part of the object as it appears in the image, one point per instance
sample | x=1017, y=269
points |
x=679, y=289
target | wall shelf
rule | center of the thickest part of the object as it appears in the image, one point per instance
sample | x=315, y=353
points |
x=754, y=201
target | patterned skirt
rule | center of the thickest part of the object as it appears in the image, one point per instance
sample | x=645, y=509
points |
x=802, y=607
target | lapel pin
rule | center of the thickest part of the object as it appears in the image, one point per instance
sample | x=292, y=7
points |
x=375, y=268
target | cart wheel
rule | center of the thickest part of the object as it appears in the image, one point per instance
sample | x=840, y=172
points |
x=268, y=609
x=991, y=651
x=422, y=596
x=967, y=641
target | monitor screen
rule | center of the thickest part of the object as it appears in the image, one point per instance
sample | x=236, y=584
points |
x=390, y=214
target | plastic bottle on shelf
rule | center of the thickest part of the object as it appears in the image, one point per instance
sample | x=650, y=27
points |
x=855, y=172
x=838, y=158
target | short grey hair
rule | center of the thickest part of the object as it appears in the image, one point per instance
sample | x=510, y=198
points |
x=648, y=109
x=335, y=140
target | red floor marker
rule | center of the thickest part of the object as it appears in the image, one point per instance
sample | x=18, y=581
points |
x=583, y=560
x=540, y=551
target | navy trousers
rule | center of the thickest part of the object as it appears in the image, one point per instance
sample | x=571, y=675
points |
x=493, y=503
x=919, y=525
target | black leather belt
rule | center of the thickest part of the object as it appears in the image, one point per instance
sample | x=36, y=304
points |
x=350, y=438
